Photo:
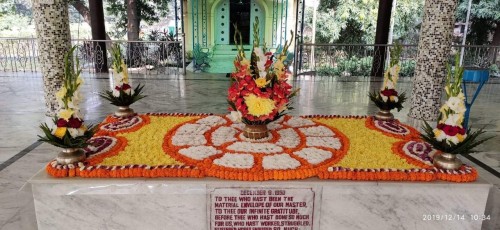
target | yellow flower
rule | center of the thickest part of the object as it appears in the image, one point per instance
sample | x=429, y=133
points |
x=460, y=137
x=65, y=114
x=261, y=82
x=258, y=106
x=79, y=80
x=245, y=62
x=125, y=73
x=61, y=93
x=60, y=132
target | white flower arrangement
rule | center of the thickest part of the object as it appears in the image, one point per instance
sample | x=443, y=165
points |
x=280, y=161
x=288, y=138
x=223, y=135
x=314, y=155
x=317, y=131
x=266, y=148
x=241, y=161
x=330, y=142
x=299, y=122
x=199, y=152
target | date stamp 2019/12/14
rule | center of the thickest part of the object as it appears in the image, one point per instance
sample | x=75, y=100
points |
x=455, y=217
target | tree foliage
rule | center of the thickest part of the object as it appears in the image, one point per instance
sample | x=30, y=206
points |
x=484, y=18
x=148, y=11
x=354, y=21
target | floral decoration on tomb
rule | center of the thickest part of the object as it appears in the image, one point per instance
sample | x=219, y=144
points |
x=450, y=136
x=122, y=93
x=68, y=129
x=204, y=145
x=259, y=91
x=388, y=98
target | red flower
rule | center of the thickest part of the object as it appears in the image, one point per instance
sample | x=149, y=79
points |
x=461, y=131
x=389, y=92
x=450, y=130
x=74, y=123
x=61, y=123
x=126, y=86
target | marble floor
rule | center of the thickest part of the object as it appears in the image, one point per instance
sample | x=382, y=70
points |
x=22, y=109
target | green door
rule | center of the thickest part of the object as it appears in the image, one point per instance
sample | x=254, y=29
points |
x=221, y=27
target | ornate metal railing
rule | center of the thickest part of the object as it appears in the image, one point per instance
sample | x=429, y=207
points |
x=146, y=57
x=356, y=59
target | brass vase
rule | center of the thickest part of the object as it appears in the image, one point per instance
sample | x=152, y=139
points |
x=255, y=131
x=447, y=161
x=70, y=156
x=124, y=111
x=384, y=115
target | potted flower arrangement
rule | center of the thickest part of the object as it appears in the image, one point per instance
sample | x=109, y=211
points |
x=259, y=92
x=122, y=94
x=69, y=132
x=388, y=98
x=450, y=136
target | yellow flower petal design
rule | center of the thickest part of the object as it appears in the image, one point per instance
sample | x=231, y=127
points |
x=369, y=149
x=152, y=153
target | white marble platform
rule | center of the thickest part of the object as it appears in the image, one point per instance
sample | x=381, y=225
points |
x=76, y=203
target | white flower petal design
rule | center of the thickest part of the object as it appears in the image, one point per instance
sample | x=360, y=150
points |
x=212, y=121
x=280, y=161
x=317, y=131
x=266, y=148
x=330, y=142
x=288, y=138
x=299, y=122
x=241, y=161
x=223, y=135
x=314, y=155
x=239, y=126
x=192, y=129
x=199, y=152
x=274, y=126
x=191, y=140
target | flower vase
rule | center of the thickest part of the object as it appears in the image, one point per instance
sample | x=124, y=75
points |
x=70, y=156
x=384, y=115
x=447, y=161
x=124, y=111
x=255, y=132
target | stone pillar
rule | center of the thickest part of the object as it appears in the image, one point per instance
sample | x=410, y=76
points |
x=54, y=41
x=433, y=51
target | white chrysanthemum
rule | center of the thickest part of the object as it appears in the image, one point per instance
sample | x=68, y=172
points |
x=456, y=104
x=76, y=132
x=453, y=119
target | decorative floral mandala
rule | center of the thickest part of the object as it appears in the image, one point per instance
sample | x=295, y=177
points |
x=217, y=144
x=416, y=152
x=101, y=147
x=127, y=124
x=420, y=151
x=392, y=128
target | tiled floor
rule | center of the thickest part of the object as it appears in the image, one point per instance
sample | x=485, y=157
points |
x=22, y=109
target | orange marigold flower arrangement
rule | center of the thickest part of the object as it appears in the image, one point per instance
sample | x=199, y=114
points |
x=259, y=92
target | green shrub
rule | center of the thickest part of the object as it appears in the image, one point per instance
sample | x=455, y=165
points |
x=407, y=68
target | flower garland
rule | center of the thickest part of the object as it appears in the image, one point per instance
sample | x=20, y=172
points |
x=259, y=92
x=137, y=153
